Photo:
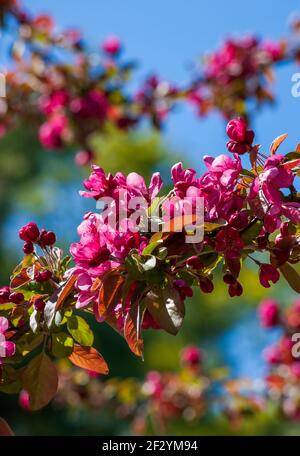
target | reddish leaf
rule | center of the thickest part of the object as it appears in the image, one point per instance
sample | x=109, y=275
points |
x=20, y=279
x=110, y=293
x=65, y=291
x=298, y=148
x=5, y=430
x=40, y=379
x=132, y=329
x=291, y=164
x=88, y=358
x=276, y=143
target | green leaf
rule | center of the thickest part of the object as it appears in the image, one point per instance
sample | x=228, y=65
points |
x=62, y=345
x=152, y=246
x=291, y=276
x=245, y=172
x=10, y=380
x=162, y=253
x=40, y=379
x=166, y=308
x=29, y=342
x=251, y=232
x=80, y=331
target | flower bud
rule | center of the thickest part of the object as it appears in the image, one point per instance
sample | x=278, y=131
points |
x=112, y=45
x=28, y=247
x=206, y=285
x=16, y=297
x=29, y=232
x=47, y=238
x=268, y=313
x=39, y=304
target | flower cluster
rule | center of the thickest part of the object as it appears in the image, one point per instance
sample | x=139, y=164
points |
x=134, y=279
x=283, y=379
x=237, y=74
x=241, y=211
x=69, y=102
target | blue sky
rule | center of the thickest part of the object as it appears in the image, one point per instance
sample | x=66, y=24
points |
x=169, y=35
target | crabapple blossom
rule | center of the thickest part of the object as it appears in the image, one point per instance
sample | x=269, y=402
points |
x=7, y=348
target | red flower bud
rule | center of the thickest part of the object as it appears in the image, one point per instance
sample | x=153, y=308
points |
x=194, y=262
x=229, y=279
x=268, y=313
x=43, y=276
x=47, y=238
x=236, y=129
x=191, y=355
x=4, y=294
x=28, y=247
x=267, y=274
x=111, y=45
x=39, y=304
x=206, y=285
x=237, y=148
x=241, y=139
x=16, y=297
x=29, y=232
x=235, y=289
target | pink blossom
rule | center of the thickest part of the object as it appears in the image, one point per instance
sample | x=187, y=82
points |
x=266, y=199
x=7, y=348
x=24, y=400
x=93, y=105
x=99, y=185
x=112, y=45
x=268, y=313
x=52, y=132
x=191, y=355
x=272, y=354
x=100, y=249
x=55, y=101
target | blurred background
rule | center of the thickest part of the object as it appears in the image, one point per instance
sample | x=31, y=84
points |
x=166, y=37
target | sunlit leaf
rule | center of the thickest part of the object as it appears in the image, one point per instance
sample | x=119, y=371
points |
x=88, y=358
x=80, y=331
x=166, y=308
x=132, y=329
x=110, y=293
x=276, y=143
x=61, y=345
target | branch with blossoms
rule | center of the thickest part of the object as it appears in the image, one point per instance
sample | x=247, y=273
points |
x=134, y=279
x=70, y=93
